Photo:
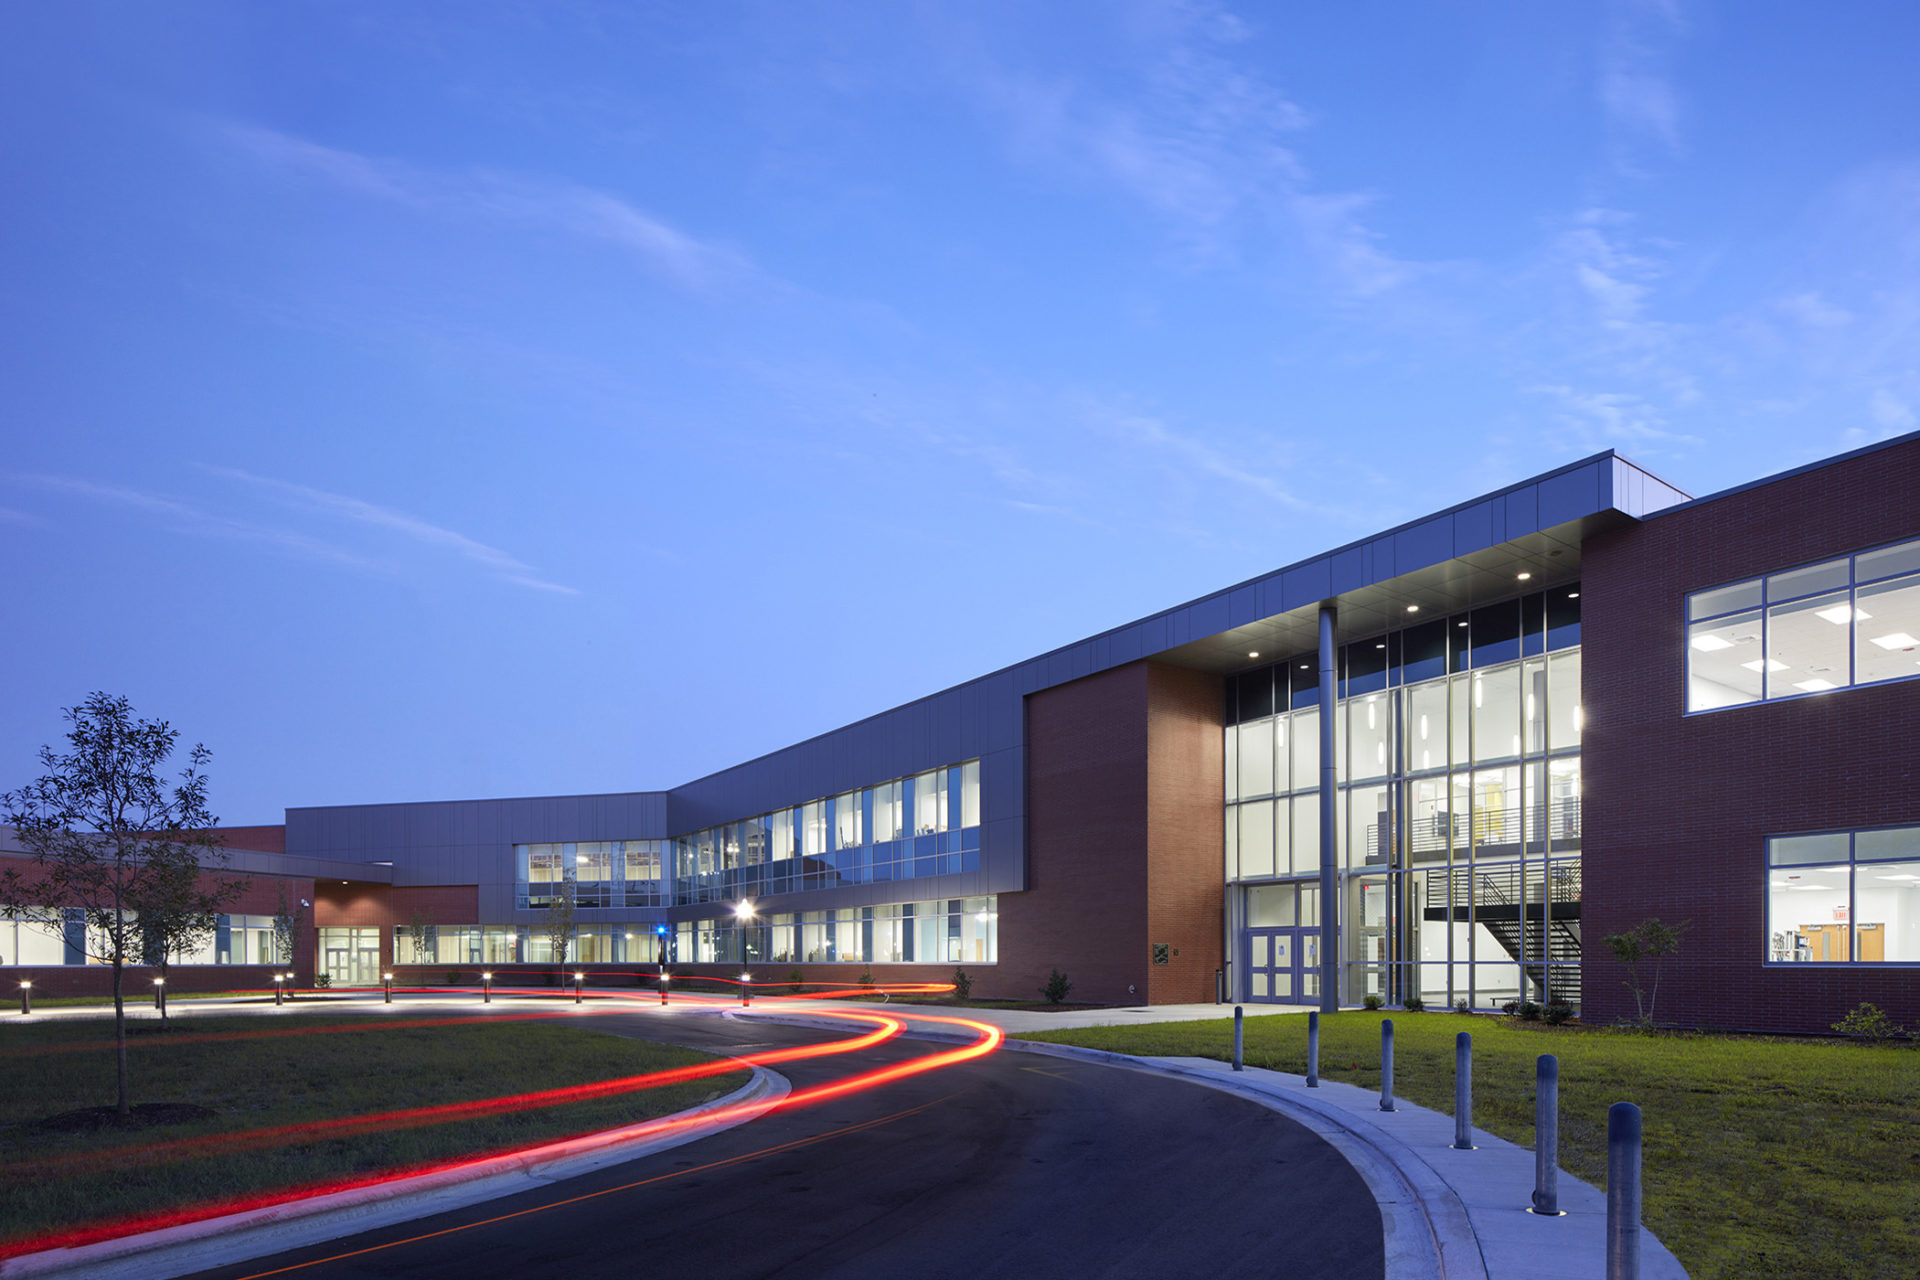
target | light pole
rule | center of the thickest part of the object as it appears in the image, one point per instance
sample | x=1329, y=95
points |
x=660, y=950
x=743, y=914
x=746, y=996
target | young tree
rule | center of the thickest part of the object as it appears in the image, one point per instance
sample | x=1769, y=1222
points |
x=421, y=932
x=178, y=910
x=287, y=922
x=558, y=923
x=1643, y=950
x=106, y=834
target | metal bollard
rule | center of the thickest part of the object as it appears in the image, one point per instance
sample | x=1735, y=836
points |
x=1546, y=1137
x=1623, y=1192
x=26, y=997
x=160, y=994
x=486, y=988
x=1239, y=1037
x=579, y=987
x=1313, y=1049
x=386, y=983
x=278, y=990
x=1463, y=1092
x=1386, y=1064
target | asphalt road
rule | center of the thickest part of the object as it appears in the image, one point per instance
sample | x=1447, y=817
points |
x=1014, y=1165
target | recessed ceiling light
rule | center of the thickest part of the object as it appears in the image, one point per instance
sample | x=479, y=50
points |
x=1381, y=645
x=1840, y=615
x=1523, y=576
x=1707, y=644
x=1815, y=685
x=1898, y=640
x=1768, y=665
x=1462, y=622
x=1305, y=667
x=1413, y=608
x=1573, y=595
x=1254, y=654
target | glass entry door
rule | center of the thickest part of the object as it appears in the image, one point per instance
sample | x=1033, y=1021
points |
x=1283, y=966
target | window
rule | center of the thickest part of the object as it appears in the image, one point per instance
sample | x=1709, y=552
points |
x=1844, y=897
x=1826, y=626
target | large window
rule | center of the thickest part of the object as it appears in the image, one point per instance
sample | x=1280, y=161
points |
x=1847, y=621
x=1844, y=897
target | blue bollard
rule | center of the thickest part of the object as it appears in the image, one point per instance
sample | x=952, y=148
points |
x=1313, y=1049
x=1463, y=1092
x=1623, y=1192
x=1386, y=1064
x=1546, y=1136
x=1239, y=1042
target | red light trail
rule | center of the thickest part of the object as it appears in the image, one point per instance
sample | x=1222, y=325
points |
x=885, y=1027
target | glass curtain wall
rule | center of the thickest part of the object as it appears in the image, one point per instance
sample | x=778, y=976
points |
x=1458, y=758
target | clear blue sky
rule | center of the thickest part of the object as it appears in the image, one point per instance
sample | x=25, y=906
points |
x=436, y=400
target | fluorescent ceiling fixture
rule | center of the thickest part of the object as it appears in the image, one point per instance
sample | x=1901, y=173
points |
x=1898, y=640
x=1840, y=614
x=1710, y=644
x=1897, y=877
x=1769, y=665
x=1815, y=685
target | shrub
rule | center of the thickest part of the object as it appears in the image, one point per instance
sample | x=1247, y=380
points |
x=1371, y=1002
x=866, y=976
x=322, y=980
x=1529, y=1011
x=962, y=983
x=1510, y=1007
x=453, y=977
x=1461, y=1006
x=1057, y=988
x=1413, y=1004
x=795, y=980
x=1558, y=1012
x=1868, y=1021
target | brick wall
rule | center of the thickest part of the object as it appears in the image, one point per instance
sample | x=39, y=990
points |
x=1677, y=807
x=1086, y=907
x=258, y=839
x=1185, y=888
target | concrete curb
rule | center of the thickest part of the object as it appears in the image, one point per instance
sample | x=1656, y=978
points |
x=216, y=1242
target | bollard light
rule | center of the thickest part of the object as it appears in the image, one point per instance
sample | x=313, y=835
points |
x=160, y=994
x=746, y=996
x=1386, y=1064
x=663, y=984
x=1623, y=1192
x=278, y=990
x=486, y=988
x=1546, y=1138
x=1463, y=1092
x=579, y=986
x=26, y=996
x=1313, y=1049
x=386, y=980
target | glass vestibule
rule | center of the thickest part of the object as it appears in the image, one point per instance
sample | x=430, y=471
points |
x=1459, y=812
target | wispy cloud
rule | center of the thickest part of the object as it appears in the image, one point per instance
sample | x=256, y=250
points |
x=1590, y=420
x=693, y=264
x=504, y=566
x=9, y=516
x=1637, y=97
x=192, y=519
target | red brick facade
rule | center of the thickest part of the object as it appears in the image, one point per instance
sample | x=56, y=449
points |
x=1678, y=807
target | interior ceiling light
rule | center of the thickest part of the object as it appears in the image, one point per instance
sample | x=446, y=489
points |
x=1523, y=576
x=1463, y=622
x=1254, y=654
x=1381, y=645
x=1573, y=595
x=1413, y=608
x=1898, y=640
x=1768, y=665
x=1815, y=685
x=1710, y=644
x=1840, y=615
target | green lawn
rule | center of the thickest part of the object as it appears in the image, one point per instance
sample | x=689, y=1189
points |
x=51, y=1180
x=1762, y=1157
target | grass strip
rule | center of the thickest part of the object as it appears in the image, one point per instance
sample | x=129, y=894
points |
x=254, y=1083
x=1761, y=1156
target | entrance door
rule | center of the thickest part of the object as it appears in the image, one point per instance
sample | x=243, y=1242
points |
x=1282, y=966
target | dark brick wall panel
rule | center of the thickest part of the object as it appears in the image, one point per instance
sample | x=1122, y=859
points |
x=1185, y=888
x=1677, y=807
